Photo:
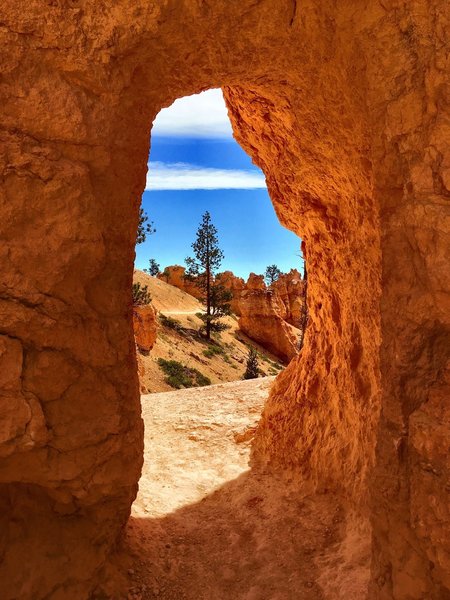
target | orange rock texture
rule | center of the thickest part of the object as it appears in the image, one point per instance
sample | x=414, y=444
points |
x=236, y=285
x=261, y=320
x=290, y=288
x=265, y=313
x=174, y=275
x=343, y=105
x=145, y=327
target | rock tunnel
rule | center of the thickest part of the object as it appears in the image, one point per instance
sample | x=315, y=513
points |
x=342, y=106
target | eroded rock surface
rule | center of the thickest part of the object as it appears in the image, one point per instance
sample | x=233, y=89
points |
x=175, y=275
x=261, y=320
x=145, y=327
x=344, y=106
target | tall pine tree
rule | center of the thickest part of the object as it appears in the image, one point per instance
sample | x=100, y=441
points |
x=202, y=270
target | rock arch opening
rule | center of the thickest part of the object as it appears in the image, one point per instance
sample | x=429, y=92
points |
x=196, y=166
x=342, y=108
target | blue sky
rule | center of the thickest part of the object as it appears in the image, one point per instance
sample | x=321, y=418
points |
x=195, y=165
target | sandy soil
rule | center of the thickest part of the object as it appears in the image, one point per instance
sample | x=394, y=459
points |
x=206, y=526
x=188, y=349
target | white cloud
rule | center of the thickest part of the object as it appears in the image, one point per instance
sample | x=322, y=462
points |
x=202, y=115
x=184, y=176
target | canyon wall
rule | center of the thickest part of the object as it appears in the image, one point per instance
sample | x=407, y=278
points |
x=263, y=314
x=343, y=105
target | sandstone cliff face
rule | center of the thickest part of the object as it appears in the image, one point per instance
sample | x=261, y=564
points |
x=290, y=288
x=261, y=320
x=145, y=327
x=236, y=285
x=264, y=315
x=343, y=105
x=174, y=275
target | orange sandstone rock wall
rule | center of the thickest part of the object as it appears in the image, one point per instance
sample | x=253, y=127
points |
x=343, y=105
x=260, y=319
x=236, y=285
x=290, y=288
x=145, y=327
x=174, y=275
x=263, y=316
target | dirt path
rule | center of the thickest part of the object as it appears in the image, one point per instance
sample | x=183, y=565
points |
x=181, y=312
x=207, y=527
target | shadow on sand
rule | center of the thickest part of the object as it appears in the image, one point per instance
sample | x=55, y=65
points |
x=255, y=538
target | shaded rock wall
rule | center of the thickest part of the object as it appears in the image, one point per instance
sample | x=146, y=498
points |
x=343, y=106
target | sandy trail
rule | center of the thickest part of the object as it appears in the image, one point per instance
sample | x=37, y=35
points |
x=207, y=527
x=181, y=312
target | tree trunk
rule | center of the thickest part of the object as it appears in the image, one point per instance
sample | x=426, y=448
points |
x=208, y=293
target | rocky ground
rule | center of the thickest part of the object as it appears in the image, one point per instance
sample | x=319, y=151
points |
x=206, y=526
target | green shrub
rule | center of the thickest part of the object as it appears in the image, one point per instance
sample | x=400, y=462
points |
x=212, y=350
x=202, y=380
x=170, y=323
x=180, y=376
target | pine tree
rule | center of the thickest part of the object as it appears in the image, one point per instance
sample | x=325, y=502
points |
x=154, y=268
x=202, y=269
x=272, y=274
x=252, y=371
x=145, y=227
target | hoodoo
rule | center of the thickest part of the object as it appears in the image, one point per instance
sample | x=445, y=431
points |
x=343, y=106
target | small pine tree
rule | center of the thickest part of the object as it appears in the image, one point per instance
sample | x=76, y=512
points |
x=272, y=274
x=202, y=269
x=154, y=268
x=145, y=227
x=252, y=370
x=141, y=295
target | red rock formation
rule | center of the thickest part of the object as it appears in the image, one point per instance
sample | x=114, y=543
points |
x=290, y=288
x=343, y=106
x=236, y=285
x=145, y=325
x=261, y=320
x=174, y=275
x=255, y=282
x=267, y=315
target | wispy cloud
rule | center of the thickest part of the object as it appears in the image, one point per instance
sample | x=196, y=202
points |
x=200, y=116
x=184, y=176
